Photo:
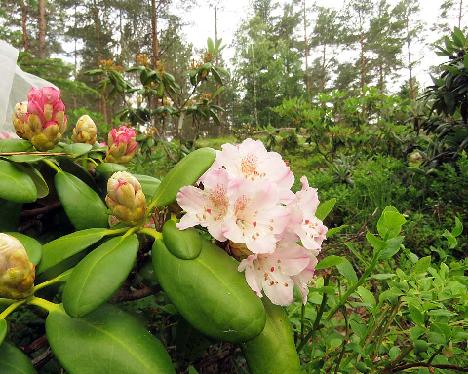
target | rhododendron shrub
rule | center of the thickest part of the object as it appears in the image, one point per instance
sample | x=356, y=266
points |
x=221, y=242
x=245, y=198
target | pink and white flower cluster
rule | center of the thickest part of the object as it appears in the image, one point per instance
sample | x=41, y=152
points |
x=246, y=198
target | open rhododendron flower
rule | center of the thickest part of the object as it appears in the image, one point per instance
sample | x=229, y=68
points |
x=246, y=198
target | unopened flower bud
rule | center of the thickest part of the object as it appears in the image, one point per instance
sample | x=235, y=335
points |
x=16, y=271
x=85, y=130
x=122, y=145
x=125, y=198
x=41, y=119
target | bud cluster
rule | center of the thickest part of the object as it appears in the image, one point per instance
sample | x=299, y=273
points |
x=122, y=145
x=41, y=119
x=16, y=271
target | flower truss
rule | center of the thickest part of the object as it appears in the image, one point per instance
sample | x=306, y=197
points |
x=245, y=198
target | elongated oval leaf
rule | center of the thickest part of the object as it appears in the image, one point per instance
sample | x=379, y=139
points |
x=325, y=208
x=81, y=203
x=210, y=293
x=273, y=351
x=99, y=275
x=77, y=149
x=149, y=185
x=65, y=247
x=13, y=361
x=15, y=145
x=27, y=159
x=106, y=169
x=184, y=244
x=186, y=172
x=16, y=185
x=39, y=181
x=3, y=330
x=107, y=341
x=32, y=246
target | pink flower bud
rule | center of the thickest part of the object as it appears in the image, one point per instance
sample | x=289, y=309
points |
x=125, y=198
x=16, y=271
x=122, y=145
x=42, y=119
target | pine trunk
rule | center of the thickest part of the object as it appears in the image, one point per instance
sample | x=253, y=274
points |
x=154, y=34
x=42, y=28
x=24, y=31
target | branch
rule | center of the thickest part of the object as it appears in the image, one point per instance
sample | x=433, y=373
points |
x=426, y=365
x=36, y=211
x=130, y=295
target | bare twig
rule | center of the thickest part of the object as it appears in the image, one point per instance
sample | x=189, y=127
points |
x=426, y=365
x=36, y=211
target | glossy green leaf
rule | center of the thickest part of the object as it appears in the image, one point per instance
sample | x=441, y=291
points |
x=77, y=149
x=39, y=181
x=210, y=293
x=15, y=145
x=108, y=340
x=27, y=159
x=99, y=275
x=391, y=247
x=273, y=351
x=3, y=330
x=390, y=223
x=32, y=246
x=81, y=203
x=366, y=296
x=185, y=173
x=184, y=244
x=15, y=185
x=13, y=361
x=325, y=208
x=149, y=185
x=67, y=246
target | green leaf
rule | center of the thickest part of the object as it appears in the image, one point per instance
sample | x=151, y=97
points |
x=329, y=262
x=390, y=223
x=391, y=247
x=416, y=316
x=3, y=330
x=27, y=159
x=149, y=185
x=210, y=293
x=376, y=243
x=273, y=351
x=108, y=340
x=32, y=246
x=324, y=209
x=185, y=173
x=422, y=265
x=77, y=149
x=39, y=181
x=15, y=145
x=99, y=275
x=184, y=244
x=13, y=361
x=366, y=296
x=383, y=276
x=458, y=227
x=335, y=230
x=16, y=185
x=394, y=352
x=346, y=270
x=81, y=203
x=54, y=252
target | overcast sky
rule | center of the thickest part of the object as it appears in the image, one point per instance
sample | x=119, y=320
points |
x=230, y=13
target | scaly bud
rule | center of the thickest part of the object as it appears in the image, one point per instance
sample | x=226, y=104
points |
x=85, y=130
x=122, y=145
x=16, y=271
x=125, y=198
x=42, y=119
